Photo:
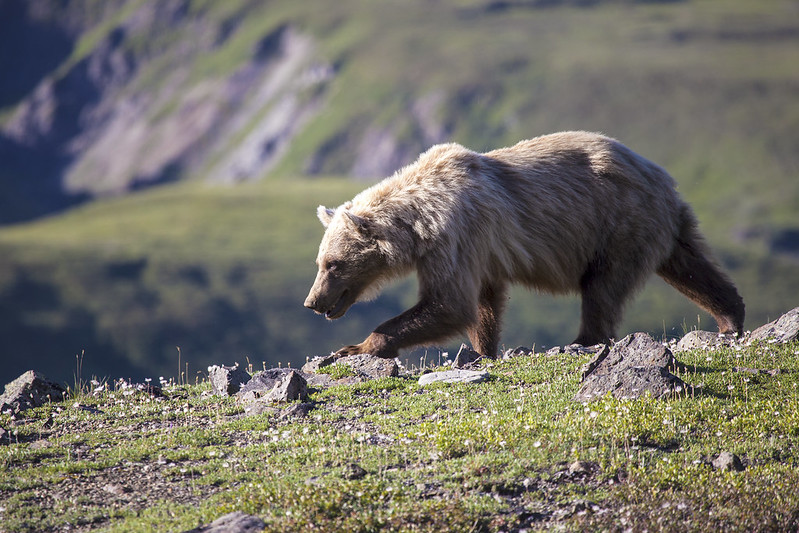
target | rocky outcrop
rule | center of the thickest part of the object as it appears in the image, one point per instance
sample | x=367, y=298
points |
x=275, y=385
x=31, y=389
x=227, y=380
x=115, y=119
x=784, y=329
x=636, y=365
x=363, y=366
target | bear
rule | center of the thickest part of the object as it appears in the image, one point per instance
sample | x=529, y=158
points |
x=569, y=212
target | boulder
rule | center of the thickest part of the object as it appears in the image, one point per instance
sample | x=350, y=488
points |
x=275, y=385
x=727, y=461
x=227, y=380
x=292, y=387
x=704, y=340
x=236, y=522
x=30, y=390
x=784, y=329
x=635, y=365
x=453, y=376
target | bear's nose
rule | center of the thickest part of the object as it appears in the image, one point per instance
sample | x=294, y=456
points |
x=310, y=303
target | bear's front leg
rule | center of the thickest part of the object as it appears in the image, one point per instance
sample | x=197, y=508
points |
x=426, y=322
x=375, y=344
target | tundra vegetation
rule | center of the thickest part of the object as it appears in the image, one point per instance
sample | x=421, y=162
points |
x=509, y=454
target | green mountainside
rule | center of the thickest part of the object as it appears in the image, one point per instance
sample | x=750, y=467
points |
x=199, y=136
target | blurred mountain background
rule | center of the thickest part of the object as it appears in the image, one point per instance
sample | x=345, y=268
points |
x=161, y=161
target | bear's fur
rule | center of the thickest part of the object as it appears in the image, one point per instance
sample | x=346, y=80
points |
x=567, y=212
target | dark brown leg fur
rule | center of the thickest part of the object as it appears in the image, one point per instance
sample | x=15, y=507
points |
x=690, y=270
x=424, y=323
x=484, y=334
x=605, y=288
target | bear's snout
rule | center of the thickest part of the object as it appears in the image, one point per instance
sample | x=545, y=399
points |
x=331, y=301
x=312, y=303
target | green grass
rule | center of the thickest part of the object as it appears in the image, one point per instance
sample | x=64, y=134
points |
x=484, y=457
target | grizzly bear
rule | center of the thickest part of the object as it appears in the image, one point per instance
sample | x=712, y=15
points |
x=561, y=213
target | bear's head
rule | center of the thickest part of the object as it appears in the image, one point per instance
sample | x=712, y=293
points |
x=351, y=262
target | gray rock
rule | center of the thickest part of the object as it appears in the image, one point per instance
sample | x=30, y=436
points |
x=227, y=380
x=453, y=376
x=370, y=367
x=516, y=352
x=465, y=356
x=5, y=436
x=235, y=522
x=354, y=471
x=292, y=387
x=728, y=461
x=275, y=385
x=635, y=365
x=784, y=329
x=30, y=390
x=321, y=361
x=583, y=468
x=591, y=365
x=297, y=410
x=704, y=340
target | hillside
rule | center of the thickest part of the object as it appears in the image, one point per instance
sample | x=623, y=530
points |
x=513, y=453
x=198, y=136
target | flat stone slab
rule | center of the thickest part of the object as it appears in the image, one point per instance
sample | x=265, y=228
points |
x=453, y=376
x=318, y=362
x=364, y=366
x=370, y=367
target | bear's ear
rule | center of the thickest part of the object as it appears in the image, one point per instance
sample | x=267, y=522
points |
x=325, y=215
x=364, y=225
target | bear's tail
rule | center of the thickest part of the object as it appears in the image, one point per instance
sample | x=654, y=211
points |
x=691, y=270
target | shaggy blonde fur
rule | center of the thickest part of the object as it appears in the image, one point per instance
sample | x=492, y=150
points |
x=567, y=212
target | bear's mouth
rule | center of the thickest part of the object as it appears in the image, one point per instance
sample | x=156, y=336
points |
x=339, y=308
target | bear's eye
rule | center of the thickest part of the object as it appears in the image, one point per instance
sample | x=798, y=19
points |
x=334, y=266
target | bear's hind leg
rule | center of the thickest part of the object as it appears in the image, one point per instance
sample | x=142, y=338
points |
x=690, y=270
x=484, y=333
x=605, y=288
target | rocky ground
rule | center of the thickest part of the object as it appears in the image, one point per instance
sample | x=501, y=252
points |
x=116, y=451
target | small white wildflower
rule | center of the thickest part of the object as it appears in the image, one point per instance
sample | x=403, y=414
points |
x=537, y=444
